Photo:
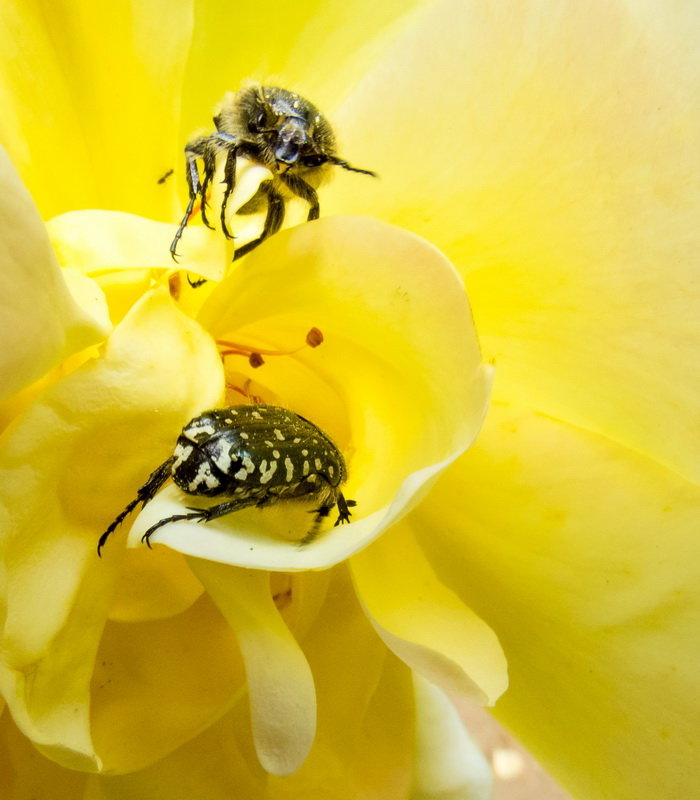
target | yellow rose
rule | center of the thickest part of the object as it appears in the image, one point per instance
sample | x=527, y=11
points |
x=549, y=151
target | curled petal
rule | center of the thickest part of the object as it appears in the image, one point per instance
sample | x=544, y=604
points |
x=424, y=622
x=398, y=381
x=449, y=764
x=582, y=556
x=365, y=741
x=41, y=321
x=93, y=241
x=280, y=685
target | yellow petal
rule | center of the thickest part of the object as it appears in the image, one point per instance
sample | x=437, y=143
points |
x=41, y=323
x=553, y=155
x=449, y=764
x=398, y=381
x=25, y=773
x=91, y=126
x=156, y=684
x=317, y=48
x=582, y=556
x=154, y=584
x=212, y=766
x=280, y=685
x=424, y=622
x=67, y=467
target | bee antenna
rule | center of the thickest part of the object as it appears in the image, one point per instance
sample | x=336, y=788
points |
x=339, y=162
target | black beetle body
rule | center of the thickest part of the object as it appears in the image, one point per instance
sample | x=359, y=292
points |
x=251, y=455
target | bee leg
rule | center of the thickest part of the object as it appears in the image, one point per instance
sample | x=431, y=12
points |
x=194, y=150
x=302, y=189
x=230, y=181
x=202, y=515
x=273, y=219
x=209, y=169
x=144, y=495
x=211, y=148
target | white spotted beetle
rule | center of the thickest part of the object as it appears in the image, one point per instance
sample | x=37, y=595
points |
x=254, y=455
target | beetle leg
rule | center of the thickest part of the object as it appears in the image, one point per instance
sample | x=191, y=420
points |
x=203, y=514
x=302, y=189
x=321, y=513
x=344, y=509
x=273, y=219
x=144, y=495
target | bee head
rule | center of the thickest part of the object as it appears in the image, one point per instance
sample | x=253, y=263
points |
x=292, y=141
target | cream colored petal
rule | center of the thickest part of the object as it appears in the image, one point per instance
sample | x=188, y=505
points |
x=449, y=764
x=67, y=467
x=280, y=685
x=364, y=746
x=92, y=241
x=583, y=558
x=551, y=150
x=41, y=322
x=424, y=622
x=91, y=125
x=398, y=381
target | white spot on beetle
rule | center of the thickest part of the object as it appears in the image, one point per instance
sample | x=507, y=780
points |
x=296, y=440
x=306, y=469
x=241, y=475
x=244, y=435
x=276, y=453
x=278, y=434
x=318, y=464
x=204, y=476
x=305, y=452
x=256, y=415
x=182, y=453
x=288, y=463
x=221, y=456
x=249, y=465
x=266, y=474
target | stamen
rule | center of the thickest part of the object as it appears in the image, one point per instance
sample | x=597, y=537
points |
x=245, y=391
x=255, y=355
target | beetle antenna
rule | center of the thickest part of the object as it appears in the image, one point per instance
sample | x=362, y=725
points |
x=144, y=495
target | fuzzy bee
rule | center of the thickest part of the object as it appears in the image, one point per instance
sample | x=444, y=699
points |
x=276, y=128
x=253, y=455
